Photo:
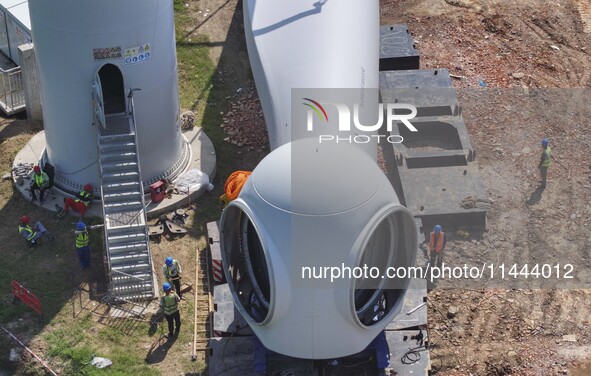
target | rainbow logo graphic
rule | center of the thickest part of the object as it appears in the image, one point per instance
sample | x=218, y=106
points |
x=317, y=107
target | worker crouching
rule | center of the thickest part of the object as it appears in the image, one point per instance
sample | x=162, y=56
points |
x=80, y=203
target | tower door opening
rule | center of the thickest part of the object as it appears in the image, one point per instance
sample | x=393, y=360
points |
x=112, y=89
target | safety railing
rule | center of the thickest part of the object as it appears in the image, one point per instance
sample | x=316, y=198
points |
x=137, y=153
x=12, y=96
x=131, y=289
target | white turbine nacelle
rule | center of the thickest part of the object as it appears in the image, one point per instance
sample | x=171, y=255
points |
x=316, y=205
x=308, y=207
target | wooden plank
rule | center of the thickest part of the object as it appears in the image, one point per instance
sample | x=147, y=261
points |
x=194, y=355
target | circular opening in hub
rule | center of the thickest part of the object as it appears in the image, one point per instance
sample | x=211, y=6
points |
x=245, y=263
x=389, y=245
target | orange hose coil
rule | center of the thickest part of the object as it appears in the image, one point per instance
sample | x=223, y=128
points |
x=234, y=184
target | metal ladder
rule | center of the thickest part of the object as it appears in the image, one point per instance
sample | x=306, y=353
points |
x=122, y=193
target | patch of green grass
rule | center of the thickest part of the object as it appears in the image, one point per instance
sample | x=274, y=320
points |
x=73, y=346
x=110, y=336
x=180, y=15
x=195, y=68
x=62, y=339
x=51, y=270
x=195, y=71
x=203, y=93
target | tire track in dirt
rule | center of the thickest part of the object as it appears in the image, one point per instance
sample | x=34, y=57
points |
x=576, y=59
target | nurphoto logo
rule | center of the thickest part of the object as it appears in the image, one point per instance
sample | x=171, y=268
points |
x=344, y=121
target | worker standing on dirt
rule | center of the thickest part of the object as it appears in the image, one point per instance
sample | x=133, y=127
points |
x=40, y=183
x=172, y=273
x=169, y=304
x=545, y=162
x=80, y=203
x=437, y=243
x=32, y=234
x=82, y=245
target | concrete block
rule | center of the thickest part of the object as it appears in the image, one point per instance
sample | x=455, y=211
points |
x=29, y=71
x=397, y=49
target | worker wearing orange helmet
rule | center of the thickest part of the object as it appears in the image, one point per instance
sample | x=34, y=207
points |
x=40, y=183
x=32, y=234
x=81, y=202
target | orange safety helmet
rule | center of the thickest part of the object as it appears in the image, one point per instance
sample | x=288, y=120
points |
x=25, y=220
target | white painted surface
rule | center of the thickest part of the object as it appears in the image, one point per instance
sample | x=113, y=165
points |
x=65, y=33
x=314, y=204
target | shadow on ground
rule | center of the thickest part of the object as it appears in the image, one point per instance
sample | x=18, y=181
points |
x=535, y=196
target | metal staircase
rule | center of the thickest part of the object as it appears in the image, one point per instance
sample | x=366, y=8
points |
x=126, y=232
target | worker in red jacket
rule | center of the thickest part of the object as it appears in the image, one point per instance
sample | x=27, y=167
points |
x=436, y=246
x=80, y=203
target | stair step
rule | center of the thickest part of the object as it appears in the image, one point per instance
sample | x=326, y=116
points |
x=133, y=195
x=126, y=238
x=127, y=230
x=148, y=295
x=117, y=137
x=131, y=267
x=114, y=186
x=121, y=175
x=117, y=204
x=130, y=247
x=119, y=166
x=132, y=290
x=118, y=189
x=131, y=229
x=129, y=258
x=142, y=278
x=117, y=156
x=135, y=208
x=109, y=148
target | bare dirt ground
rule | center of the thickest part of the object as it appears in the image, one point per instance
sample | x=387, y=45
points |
x=515, y=48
